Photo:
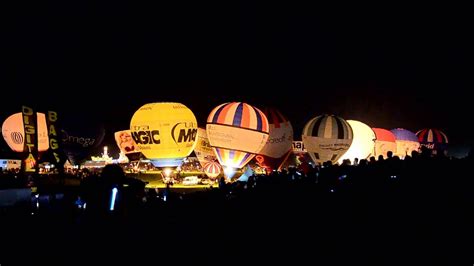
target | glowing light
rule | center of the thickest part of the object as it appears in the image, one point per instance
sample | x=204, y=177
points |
x=112, y=199
x=229, y=171
x=362, y=144
x=167, y=172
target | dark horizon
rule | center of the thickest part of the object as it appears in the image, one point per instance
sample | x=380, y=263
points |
x=391, y=68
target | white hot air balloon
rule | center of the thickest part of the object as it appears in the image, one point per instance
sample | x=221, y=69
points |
x=363, y=142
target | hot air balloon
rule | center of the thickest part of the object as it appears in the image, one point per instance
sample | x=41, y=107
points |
x=80, y=135
x=127, y=145
x=164, y=132
x=14, y=133
x=406, y=141
x=433, y=139
x=212, y=169
x=362, y=144
x=384, y=143
x=236, y=131
x=327, y=138
x=203, y=149
x=279, y=143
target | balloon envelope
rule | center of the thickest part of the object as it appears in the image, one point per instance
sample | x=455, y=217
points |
x=203, y=149
x=236, y=131
x=80, y=135
x=279, y=144
x=384, y=143
x=212, y=169
x=13, y=132
x=433, y=139
x=406, y=141
x=362, y=144
x=327, y=138
x=164, y=132
x=127, y=145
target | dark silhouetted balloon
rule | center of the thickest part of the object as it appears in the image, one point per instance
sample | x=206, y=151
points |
x=79, y=136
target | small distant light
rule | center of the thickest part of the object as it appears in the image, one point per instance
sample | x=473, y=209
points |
x=332, y=190
x=32, y=213
x=37, y=196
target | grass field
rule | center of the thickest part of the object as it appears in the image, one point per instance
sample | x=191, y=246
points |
x=152, y=178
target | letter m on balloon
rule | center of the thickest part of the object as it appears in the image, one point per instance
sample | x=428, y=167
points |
x=188, y=136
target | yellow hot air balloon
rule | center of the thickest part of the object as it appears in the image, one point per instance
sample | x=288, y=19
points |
x=236, y=131
x=363, y=142
x=164, y=132
x=14, y=133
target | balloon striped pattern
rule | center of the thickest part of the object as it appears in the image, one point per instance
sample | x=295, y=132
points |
x=212, y=169
x=233, y=158
x=430, y=135
x=239, y=114
x=275, y=117
x=327, y=138
x=328, y=126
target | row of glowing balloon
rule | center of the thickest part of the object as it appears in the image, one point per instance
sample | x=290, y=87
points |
x=237, y=132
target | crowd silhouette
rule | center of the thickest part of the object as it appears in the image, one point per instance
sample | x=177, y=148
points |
x=384, y=211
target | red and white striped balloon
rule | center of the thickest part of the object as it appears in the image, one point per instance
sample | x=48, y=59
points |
x=212, y=169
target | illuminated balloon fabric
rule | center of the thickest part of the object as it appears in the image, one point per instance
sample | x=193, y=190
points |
x=327, y=138
x=362, y=144
x=164, y=132
x=127, y=145
x=236, y=131
x=212, y=169
x=406, y=141
x=279, y=143
x=203, y=149
x=384, y=143
x=432, y=139
x=80, y=135
x=246, y=174
x=13, y=132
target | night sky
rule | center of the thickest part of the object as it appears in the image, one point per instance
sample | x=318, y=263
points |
x=378, y=64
